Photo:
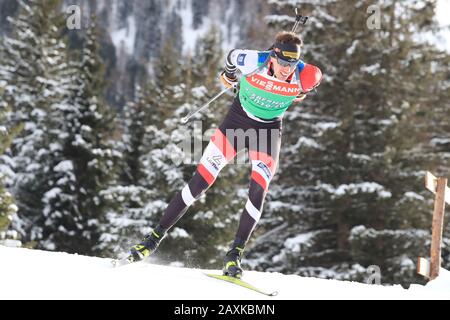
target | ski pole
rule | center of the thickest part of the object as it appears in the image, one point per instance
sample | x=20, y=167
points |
x=186, y=118
x=299, y=19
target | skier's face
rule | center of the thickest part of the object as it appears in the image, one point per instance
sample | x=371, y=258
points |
x=282, y=72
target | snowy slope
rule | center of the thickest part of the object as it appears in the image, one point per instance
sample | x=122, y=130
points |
x=33, y=274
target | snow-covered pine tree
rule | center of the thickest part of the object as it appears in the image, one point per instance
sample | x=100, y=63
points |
x=127, y=197
x=7, y=132
x=83, y=126
x=7, y=206
x=352, y=173
x=148, y=174
x=33, y=64
x=7, y=210
x=135, y=114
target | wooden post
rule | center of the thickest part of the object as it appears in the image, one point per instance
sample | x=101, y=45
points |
x=438, y=186
x=437, y=226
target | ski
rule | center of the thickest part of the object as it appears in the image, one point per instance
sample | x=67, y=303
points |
x=241, y=283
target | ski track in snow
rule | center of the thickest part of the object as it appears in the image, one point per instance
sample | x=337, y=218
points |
x=35, y=274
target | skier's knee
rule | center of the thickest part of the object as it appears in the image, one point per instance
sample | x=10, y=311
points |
x=212, y=162
x=262, y=174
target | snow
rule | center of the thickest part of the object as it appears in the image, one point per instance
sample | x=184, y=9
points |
x=126, y=37
x=179, y=233
x=190, y=35
x=359, y=157
x=34, y=274
x=294, y=244
x=52, y=193
x=354, y=188
x=414, y=196
x=440, y=38
x=12, y=207
x=442, y=10
x=352, y=48
x=304, y=141
x=439, y=141
x=64, y=166
x=372, y=69
x=327, y=125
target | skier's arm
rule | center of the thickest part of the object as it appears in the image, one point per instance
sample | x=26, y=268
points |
x=246, y=61
x=309, y=78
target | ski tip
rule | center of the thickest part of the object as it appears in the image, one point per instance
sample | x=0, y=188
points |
x=242, y=283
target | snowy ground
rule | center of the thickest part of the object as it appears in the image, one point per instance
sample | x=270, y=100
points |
x=34, y=274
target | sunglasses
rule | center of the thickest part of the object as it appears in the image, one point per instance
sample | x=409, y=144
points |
x=285, y=63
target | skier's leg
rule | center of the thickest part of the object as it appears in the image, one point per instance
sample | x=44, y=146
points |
x=264, y=159
x=263, y=169
x=215, y=157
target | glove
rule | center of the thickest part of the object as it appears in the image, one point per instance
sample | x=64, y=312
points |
x=228, y=82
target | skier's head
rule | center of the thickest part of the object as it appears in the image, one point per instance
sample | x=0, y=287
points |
x=285, y=54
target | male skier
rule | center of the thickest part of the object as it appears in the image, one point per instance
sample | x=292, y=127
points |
x=271, y=81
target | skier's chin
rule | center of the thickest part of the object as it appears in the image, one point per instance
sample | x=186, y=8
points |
x=282, y=76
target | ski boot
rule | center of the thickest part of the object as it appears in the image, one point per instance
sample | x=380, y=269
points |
x=147, y=246
x=232, y=262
